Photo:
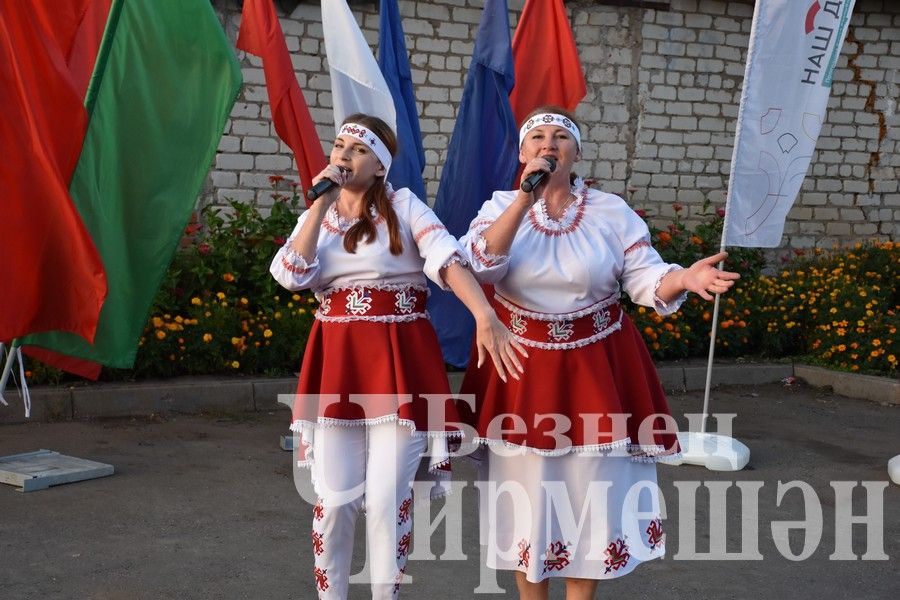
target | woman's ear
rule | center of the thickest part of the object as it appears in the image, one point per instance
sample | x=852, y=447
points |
x=381, y=172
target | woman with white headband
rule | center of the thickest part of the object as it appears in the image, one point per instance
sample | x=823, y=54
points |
x=372, y=356
x=569, y=480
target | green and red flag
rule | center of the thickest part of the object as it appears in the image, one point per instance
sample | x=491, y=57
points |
x=119, y=108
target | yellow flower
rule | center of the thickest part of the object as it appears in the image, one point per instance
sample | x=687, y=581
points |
x=160, y=335
x=295, y=297
x=235, y=364
x=244, y=301
x=207, y=337
x=267, y=333
x=220, y=295
x=301, y=311
x=196, y=301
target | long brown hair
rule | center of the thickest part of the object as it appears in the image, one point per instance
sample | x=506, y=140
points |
x=376, y=196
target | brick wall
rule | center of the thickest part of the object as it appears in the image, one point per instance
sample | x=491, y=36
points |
x=658, y=119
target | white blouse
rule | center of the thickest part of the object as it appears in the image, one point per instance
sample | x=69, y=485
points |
x=598, y=247
x=427, y=246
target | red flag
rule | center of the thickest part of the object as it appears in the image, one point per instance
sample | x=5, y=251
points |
x=53, y=277
x=547, y=67
x=261, y=35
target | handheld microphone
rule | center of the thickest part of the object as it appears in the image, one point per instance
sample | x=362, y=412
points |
x=535, y=178
x=323, y=187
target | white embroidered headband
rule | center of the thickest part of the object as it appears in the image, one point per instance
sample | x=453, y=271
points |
x=370, y=139
x=550, y=119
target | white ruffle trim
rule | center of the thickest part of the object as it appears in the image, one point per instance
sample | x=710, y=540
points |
x=373, y=318
x=384, y=287
x=540, y=316
x=654, y=455
x=300, y=425
x=667, y=308
x=479, y=251
x=455, y=259
x=619, y=444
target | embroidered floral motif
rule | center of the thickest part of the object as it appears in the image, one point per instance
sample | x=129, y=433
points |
x=542, y=223
x=524, y=553
x=321, y=579
x=518, y=324
x=318, y=510
x=403, y=513
x=655, y=536
x=293, y=269
x=558, y=557
x=427, y=230
x=636, y=245
x=601, y=320
x=616, y=555
x=336, y=224
x=325, y=305
x=406, y=302
x=359, y=302
x=318, y=541
x=403, y=544
x=560, y=331
x=399, y=579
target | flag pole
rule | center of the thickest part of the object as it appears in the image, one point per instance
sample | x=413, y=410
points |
x=7, y=368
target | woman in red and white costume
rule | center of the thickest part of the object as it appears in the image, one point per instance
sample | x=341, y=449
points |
x=562, y=454
x=371, y=354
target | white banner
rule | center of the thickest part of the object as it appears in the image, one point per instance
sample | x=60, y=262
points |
x=357, y=85
x=794, y=46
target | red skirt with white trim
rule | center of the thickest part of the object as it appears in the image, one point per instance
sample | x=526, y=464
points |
x=367, y=372
x=600, y=396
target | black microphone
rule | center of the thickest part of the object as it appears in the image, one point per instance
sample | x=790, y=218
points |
x=322, y=187
x=538, y=176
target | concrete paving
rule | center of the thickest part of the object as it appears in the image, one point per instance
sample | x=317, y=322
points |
x=205, y=507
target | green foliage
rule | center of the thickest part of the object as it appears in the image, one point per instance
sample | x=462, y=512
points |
x=220, y=311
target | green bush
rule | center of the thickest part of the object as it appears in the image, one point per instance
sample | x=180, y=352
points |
x=219, y=310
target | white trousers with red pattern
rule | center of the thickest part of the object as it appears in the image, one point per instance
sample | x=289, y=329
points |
x=371, y=468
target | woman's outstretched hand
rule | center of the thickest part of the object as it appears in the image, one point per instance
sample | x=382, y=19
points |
x=705, y=279
x=492, y=338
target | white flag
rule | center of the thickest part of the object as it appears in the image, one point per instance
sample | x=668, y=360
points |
x=357, y=84
x=794, y=45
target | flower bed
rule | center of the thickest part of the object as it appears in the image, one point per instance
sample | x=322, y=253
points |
x=219, y=310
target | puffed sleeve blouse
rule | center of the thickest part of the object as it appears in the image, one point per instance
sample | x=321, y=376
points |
x=598, y=248
x=427, y=248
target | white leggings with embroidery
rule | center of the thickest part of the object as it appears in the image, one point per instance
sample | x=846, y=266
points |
x=371, y=468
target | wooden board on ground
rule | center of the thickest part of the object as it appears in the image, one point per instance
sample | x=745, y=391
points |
x=40, y=469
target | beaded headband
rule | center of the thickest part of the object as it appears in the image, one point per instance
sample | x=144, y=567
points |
x=370, y=139
x=550, y=119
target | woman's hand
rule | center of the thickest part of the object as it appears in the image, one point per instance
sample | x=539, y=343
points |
x=338, y=176
x=705, y=279
x=493, y=338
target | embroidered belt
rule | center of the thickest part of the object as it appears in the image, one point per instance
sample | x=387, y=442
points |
x=562, y=331
x=373, y=304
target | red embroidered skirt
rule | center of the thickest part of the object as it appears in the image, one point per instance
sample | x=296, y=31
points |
x=366, y=372
x=575, y=399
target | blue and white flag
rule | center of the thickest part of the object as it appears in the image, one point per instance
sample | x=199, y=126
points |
x=483, y=157
x=357, y=84
x=794, y=45
x=406, y=170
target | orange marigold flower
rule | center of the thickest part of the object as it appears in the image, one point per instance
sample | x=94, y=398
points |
x=228, y=277
x=160, y=335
